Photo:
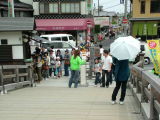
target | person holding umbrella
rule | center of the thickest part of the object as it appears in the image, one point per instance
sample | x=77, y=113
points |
x=121, y=73
x=123, y=49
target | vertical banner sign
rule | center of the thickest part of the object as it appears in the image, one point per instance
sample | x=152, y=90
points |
x=11, y=8
x=154, y=47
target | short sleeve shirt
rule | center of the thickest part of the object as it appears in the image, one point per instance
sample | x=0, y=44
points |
x=107, y=61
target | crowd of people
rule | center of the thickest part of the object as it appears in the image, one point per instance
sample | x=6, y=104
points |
x=48, y=63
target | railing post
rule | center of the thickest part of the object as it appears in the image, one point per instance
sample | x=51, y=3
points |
x=2, y=81
x=144, y=85
x=152, y=116
x=30, y=75
x=17, y=74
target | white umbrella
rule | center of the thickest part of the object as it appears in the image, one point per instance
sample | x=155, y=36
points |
x=125, y=48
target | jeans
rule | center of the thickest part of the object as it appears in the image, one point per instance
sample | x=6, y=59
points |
x=108, y=76
x=66, y=70
x=98, y=79
x=123, y=85
x=74, y=78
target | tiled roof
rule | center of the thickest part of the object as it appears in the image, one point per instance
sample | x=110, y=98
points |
x=17, y=23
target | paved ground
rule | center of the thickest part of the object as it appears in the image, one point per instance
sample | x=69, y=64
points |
x=52, y=100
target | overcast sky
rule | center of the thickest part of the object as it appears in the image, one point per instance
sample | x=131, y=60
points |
x=108, y=5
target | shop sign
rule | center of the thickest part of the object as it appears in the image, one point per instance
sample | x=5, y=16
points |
x=154, y=47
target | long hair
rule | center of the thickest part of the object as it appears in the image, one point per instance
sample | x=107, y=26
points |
x=76, y=53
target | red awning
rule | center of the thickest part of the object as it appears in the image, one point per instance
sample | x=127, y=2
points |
x=62, y=24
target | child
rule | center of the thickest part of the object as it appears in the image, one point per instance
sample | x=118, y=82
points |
x=45, y=69
x=97, y=70
x=58, y=67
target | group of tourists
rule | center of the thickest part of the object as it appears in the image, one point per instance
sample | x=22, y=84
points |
x=48, y=63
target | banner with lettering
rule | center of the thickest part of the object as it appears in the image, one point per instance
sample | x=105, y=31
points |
x=154, y=47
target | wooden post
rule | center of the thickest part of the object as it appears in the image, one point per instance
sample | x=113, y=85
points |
x=2, y=81
x=30, y=75
x=152, y=116
x=17, y=74
x=144, y=85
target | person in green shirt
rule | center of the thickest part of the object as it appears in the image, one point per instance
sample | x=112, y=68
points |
x=75, y=63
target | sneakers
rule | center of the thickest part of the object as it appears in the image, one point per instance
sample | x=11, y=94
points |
x=113, y=102
x=121, y=102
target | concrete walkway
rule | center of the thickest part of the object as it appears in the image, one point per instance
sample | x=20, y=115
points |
x=52, y=100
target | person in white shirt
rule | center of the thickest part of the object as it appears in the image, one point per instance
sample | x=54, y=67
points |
x=106, y=68
x=101, y=50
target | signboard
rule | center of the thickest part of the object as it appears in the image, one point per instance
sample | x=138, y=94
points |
x=125, y=21
x=102, y=21
x=154, y=47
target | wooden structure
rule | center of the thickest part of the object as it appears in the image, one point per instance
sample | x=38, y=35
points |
x=146, y=89
x=14, y=77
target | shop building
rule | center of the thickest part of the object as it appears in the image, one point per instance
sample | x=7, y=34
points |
x=64, y=16
x=14, y=47
x=145, y=21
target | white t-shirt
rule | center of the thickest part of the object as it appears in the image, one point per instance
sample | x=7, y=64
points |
x=106, y=62
x=101, y=51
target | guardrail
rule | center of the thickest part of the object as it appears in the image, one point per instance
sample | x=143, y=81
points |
x=14, y=77
x=146, y=89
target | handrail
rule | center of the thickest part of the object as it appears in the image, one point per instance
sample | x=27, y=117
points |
x=148, y=88
x=16, y=75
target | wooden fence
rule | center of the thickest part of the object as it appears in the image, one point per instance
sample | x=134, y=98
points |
x=14, y=77
x=146, y=89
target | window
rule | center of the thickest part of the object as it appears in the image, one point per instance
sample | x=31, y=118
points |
x=143, y=4
x=46, y=38
x=71, y=38
x=53, y=8
x=155, y=6
x=55, y=39
x=65, y=45
x=64, y=39
x=4, y=42
x=70, y=8
x=55, y=44
x=48, y=7
x=41, y=7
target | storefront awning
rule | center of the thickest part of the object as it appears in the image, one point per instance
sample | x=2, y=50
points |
x=63, y=24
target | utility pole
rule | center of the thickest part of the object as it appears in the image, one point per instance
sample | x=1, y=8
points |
x=125, y=16
x=98, y=7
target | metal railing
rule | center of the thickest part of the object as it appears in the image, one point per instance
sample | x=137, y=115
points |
x=146, y=89
x=14, y=77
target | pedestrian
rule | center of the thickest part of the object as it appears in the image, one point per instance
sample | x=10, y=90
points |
x=75, y=63
x=52, y=63
x=66, y=63
x=122, y=73
x=106, y=68
x=59, y=55
x=38, y=64
x=97, y=70
x=101, y=51
x=45, y=66
x=58, y=67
